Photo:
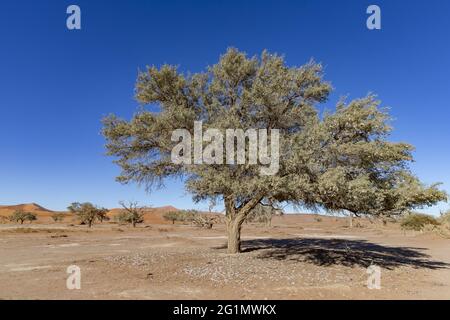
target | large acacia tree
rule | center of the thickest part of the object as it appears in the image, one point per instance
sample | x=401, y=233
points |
x=339, y=161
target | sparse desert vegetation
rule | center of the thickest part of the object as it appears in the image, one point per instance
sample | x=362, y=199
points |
x=418, y=221
x=58, y=217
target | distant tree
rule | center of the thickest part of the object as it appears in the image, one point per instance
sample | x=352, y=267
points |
x=204, y=220
x=133, y=213
x=22, y=216
x=102, y=215
x=58, y=217
x=339, y=161
x=87, y=212
x=172, y=216
x=263, y=213
x=192, y=216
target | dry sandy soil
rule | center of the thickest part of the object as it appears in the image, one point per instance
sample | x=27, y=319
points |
x=299, y=257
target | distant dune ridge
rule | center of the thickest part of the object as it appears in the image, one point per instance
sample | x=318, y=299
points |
x=152, y=215
x=30, y=207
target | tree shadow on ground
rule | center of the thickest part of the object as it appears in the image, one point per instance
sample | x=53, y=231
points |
x=328, y=252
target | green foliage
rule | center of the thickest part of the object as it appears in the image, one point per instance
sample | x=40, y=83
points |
x=87, y=213
x=341, y=161
x=58, y=217
x=417, y=221
x=22, y=216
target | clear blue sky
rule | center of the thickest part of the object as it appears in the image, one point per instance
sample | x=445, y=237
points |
x=56, y=84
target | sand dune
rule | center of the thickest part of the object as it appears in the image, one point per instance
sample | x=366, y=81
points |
x=30, y=207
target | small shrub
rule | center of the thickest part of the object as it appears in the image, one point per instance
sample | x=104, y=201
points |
x=121, y=218
x=192, y=216
x=172, y=216
x=418, y=221
x=128, y=217
x=181, y=215
x=445, y=218
x=204, y=221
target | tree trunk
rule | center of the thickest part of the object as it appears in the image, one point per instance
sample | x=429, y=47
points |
x=235, y=219
x=234, y=236
x=351, y=220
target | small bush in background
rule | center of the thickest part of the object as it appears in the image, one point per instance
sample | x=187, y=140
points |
x=317, y=218
x=195, y=217
x=58, y=217
x=418, y=221
x=263, y=214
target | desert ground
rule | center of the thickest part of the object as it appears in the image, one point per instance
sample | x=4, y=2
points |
x=298, y=257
